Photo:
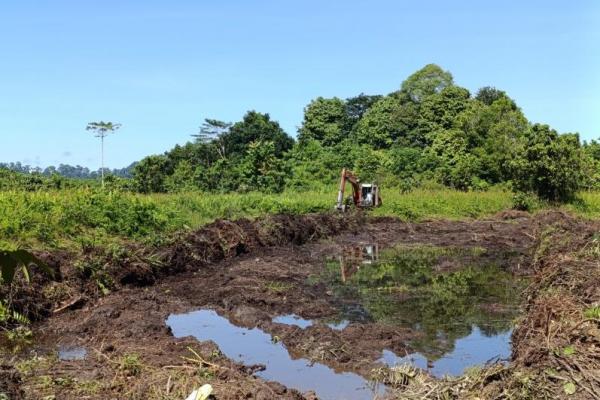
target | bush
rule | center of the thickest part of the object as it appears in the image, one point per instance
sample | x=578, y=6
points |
x=550, y=165
x=524, y=201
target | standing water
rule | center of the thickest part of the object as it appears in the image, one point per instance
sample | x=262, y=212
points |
x=253, y=346
x=460, y=305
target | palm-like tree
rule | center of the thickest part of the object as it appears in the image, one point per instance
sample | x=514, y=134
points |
x=102, y=129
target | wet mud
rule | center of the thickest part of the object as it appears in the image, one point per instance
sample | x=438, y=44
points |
x=295, y=282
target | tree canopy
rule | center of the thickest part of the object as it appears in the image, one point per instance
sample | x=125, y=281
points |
x=429, y=130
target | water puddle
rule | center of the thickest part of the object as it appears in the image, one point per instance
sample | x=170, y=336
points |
x=293, y=319
x=471, y=350
x=461, y=305
x=339, y=326
x=71, y=353
x=253, y=346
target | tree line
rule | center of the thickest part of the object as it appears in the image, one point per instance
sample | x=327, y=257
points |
x=429, y=130
x=68, y=171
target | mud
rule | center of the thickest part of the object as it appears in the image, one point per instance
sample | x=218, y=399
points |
x=250, y=273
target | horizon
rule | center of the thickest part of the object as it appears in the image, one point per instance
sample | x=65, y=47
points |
x=161, y=69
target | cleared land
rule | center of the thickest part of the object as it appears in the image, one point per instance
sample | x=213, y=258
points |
x=115, y=294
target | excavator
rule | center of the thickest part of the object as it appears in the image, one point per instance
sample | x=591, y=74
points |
x=364, y=195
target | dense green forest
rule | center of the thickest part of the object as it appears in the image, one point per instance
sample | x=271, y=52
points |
x=429, y=130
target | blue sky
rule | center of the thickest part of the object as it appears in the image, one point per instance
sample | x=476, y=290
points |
x=161, y=67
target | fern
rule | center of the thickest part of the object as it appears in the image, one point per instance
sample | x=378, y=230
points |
x=20, y=318
x=7, y=316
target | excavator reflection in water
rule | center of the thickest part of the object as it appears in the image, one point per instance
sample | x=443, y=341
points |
x=353, y=258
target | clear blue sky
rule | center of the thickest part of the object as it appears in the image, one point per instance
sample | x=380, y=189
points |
x=161, y=67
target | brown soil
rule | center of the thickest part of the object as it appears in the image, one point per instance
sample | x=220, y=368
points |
x=231, y=267
x=238, y=269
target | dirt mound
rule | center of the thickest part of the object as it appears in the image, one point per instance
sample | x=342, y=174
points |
x=512, y=214
x=214, y=242
x=100, y=270
x=226, y=239
x=560, y=330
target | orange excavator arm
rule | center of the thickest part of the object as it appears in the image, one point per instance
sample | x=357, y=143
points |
x=354, y=181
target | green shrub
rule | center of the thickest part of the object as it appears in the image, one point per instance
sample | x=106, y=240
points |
x=524, y=201
x=550, y=165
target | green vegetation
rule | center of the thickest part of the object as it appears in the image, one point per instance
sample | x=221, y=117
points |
x=430, y=130
x=69, y=218
x=77, y=217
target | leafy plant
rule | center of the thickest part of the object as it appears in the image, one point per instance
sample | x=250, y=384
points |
x=551, y=165
x=12, y=260
x=131, y=364
x=7, y=315
x=524, y=201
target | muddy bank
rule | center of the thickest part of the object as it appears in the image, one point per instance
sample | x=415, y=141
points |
x=131, y=353
x=556, y=341
x=80, y=278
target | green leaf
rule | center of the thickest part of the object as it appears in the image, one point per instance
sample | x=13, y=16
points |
x=8, y=264
x=26, y=258
x=25, y=272
x=10, y=260
x=570, y=388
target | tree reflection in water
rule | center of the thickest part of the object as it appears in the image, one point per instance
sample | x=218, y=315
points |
x=442, y=292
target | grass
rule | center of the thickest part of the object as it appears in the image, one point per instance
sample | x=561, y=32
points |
x=445, y=203
x=79, y=217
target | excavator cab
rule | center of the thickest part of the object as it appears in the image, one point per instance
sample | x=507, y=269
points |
x=369, y=195
x=364, y=195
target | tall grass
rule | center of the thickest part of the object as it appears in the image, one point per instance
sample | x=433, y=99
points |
x=443, y=203
x=586, y=205
x=61, y=218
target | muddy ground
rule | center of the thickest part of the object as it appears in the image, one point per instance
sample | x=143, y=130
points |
x=250, y=284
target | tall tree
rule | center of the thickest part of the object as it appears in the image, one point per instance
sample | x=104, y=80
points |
x=213, y=131
x=101, y=130
x=356, y=107
x=489, y=94
x=324, y=120
x=551, y=165
x=428, y=80
x=379, y=126
x=255, y=127
x=439, y=110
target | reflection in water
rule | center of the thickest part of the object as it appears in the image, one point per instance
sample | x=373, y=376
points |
x=353, y=257
x=474, y=349
x=293, y=319
x=253, y=346
x=457, y=312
